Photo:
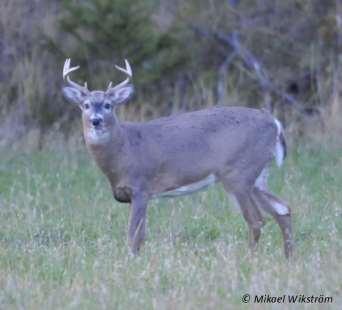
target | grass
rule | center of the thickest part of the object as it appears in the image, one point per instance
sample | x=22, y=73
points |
x=63, y=239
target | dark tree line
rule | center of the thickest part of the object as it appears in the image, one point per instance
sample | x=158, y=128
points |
x=283, y=55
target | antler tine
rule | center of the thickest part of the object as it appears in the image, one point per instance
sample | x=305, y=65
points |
x=127, y=71
x=110, y=85
x=67, y=70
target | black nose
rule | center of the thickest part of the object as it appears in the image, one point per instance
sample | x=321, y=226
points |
x=96, y=122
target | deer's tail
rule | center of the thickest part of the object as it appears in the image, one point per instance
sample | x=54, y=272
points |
x=280, y=150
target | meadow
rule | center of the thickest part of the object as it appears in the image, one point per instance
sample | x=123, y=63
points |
x=63, y=239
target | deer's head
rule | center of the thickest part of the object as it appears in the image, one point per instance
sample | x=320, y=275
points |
x=98, y=107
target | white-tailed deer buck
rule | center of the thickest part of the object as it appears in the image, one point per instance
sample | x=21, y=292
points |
x=179, y=154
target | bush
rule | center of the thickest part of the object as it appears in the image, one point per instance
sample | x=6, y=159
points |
x=175, y=68
x=26, y=68
x=111, y=30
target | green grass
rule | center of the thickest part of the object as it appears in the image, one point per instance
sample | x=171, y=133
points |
x=63, y=239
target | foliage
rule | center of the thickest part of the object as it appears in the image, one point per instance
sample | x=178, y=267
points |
x=111, y=31
x=28, y=88
x=296, y=44
x=294, y=41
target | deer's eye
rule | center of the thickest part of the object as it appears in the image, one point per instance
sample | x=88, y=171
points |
x=86, y=106
x=107, y=106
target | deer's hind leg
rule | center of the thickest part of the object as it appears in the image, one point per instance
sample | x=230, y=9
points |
x=279, y=211
x=250, y=211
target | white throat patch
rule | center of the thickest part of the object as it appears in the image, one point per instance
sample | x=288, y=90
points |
x=97, y=136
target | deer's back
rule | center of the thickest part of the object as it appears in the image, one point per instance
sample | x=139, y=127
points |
x=206, y=127
x=185, y=148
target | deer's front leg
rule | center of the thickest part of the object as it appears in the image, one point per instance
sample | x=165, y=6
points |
x=136, y=229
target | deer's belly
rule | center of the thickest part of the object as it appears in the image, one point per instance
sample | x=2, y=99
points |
x=189, y=188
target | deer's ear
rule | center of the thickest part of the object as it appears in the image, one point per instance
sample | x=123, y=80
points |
x=73, y=95
x=121, y=95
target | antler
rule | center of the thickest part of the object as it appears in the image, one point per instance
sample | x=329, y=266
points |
x=127, y=71
x=67, y=70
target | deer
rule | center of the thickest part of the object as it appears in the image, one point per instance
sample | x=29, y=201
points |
x=181, y=154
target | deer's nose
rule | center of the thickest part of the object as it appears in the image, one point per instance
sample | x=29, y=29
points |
x=96, y=121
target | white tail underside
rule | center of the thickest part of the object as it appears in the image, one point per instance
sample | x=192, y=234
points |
x=279, y=152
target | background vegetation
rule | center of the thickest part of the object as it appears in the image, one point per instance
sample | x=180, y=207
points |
x=185, y=55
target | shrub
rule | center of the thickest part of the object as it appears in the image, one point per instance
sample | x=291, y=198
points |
x=111, y=30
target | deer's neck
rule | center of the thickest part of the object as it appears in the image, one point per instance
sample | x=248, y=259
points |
x=107, y=150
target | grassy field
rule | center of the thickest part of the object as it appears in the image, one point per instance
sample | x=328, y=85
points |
x=63, y=240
